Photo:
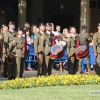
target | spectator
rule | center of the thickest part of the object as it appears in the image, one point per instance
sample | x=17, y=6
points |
x=33, y=31
x=29, y=42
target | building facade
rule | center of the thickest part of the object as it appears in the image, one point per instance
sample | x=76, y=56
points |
x=61, y=12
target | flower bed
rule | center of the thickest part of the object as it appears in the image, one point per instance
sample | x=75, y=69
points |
x=53, y=80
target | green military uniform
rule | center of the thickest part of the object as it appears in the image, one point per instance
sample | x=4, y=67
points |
x=5, y=47
x=42, y=45
x=96, y=46
x=19, y=43
x=12, y=67
x=84, y=41
x=39, y=47
x=71, y=53
x=48, y=60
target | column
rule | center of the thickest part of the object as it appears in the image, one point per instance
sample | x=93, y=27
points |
x=84, y=14
x=21, y=13
x=37, y=12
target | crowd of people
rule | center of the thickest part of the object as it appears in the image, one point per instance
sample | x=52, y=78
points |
x=14, y=49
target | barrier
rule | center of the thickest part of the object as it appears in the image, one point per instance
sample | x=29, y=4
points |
x=32, y=56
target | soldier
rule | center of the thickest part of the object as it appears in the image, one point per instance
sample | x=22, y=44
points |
x=96, y=46
x=4, y=37
x=19, y=43
x=12, y=35
x=71, y=46
x=39, y=49
x=48, y=41
x=84, y=41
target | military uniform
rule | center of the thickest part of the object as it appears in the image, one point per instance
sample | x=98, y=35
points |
x=84, y=41
x=19, y=43
x=39, y=47
x=96, y=46
x=48, y=60
x=5, y=47
x=71, y=53
x=12, y=67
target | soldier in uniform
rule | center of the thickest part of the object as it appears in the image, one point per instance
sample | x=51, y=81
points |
x=48, y=41
x=19, y=43
x=4, y=37
x=84, y=41
x=96, y=46
x=71, y=50
x=39, y=41
x=12, y=35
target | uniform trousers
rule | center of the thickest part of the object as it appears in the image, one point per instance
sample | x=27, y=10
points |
x=20, y=66
x=48, y=64
x=71, y=65
x=40, y=64
x=4, y=66
x=97, y=66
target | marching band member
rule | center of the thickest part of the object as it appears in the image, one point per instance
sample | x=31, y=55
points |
x=48, y=44
x=4, y=37
x=39, y=49
x=71, y=46
x=12, y=66
x=19, y=43
x=84, y=41
x=96, y=46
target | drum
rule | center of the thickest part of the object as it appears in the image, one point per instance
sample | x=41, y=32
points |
x=81, y=52
x=10, y=58
x=57, y=52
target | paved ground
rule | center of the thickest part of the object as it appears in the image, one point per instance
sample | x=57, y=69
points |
x=34, y=74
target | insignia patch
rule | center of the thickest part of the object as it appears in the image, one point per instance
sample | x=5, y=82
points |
x=35, y=37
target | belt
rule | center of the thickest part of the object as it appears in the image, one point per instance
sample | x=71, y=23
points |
x=47, y=45
x=98, y=45
x=19, y=48
x=72, y=47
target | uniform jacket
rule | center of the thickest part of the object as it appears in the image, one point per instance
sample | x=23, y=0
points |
x=71, y=45
x=12, y=36
x=40, y=42
x=96, y=42
x=84, y=39
x=19, y=43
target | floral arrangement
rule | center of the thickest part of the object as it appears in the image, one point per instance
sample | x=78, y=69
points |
x=53, y=80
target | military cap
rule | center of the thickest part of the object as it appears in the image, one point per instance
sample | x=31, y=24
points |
x=19, y=29
x=71, y=27
x=41, y=24
x=4, y=25
x=84, y=27
x=48, y=24
x=11, y=23
x=98, y=24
